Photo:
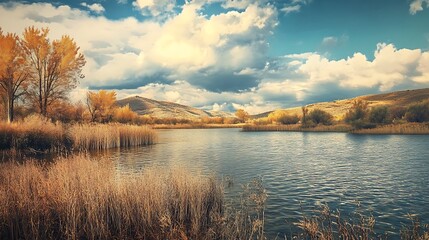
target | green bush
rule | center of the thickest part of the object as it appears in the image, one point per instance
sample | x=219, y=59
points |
x=397, y=112
x=358, y=111
x=318, y=116
x=418, y=112
x=379, y=115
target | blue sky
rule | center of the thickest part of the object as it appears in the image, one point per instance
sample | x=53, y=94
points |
x=253, y=54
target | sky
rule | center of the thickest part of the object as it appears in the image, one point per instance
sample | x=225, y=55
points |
x=224, y=55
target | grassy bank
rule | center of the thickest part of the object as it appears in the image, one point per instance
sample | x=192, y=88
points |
x=39, y=135
x=82, y=199
x=296, y=128
x=196, y=126
x=79, y=198
x=405, y=128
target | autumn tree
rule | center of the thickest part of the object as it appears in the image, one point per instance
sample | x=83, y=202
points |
x=124, y=114
x=282, y=116
x=242, y=115
x=101, y=105
x=13, y=72
x=55, y=66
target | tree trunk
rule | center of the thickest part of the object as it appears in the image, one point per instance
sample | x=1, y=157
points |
x=10, y=109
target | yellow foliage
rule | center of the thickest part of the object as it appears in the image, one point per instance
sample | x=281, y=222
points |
x=101, y=105
x=125, y=114
x=242, y=115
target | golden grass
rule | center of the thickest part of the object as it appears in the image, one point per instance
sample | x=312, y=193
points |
x=38, y=134
x=34, y=133
x=196, y=126
x=104, y=136
x=405, y=128
x=296, y=128
x=78, y=198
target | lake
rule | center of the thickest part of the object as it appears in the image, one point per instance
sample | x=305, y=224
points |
x=388, y=175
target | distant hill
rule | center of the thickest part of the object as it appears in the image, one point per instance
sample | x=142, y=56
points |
x=164, y=109
x=340, y=107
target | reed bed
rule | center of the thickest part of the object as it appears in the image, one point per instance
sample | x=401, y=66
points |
x=405, y=128
x=296, y=128
x=78, y=198
x=39, y=135
x=104, y=136
x=196, y=126
x=34, y=134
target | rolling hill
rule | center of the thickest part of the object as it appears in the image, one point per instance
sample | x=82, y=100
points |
x=340, y=107
x=164, y=109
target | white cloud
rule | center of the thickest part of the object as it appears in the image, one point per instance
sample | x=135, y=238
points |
x=417, y=5
x=294, y=6
x=155, y=7
x=215, y=62
x=122, y=1
x=289, y=9
x=95, y=7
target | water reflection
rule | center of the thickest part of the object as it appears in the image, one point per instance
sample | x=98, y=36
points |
x=388, y=175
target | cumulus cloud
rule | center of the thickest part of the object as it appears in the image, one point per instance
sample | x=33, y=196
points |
x=95, y=7
x=155, y=7
x=417, y=5
x=215, y=62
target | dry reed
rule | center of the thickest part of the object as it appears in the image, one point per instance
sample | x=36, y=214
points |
x=82, y=199
x=104, y=136
x=196, y=126
x=296, y=128
x=35, y=134
x=38, y=134
x=405, y=128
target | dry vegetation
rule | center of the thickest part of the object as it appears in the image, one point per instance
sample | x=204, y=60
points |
x=104, y=136
x=297, y=128
x=79, y=198
x=38, y=134
x=82, y=199
x=405, y=128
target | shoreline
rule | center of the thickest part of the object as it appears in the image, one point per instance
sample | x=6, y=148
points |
x=390, y=129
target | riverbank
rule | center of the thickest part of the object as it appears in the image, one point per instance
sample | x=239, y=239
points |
x=296, y=128
x=394, y=129
x=397, y=129
x=39, y=135
x=196, y=126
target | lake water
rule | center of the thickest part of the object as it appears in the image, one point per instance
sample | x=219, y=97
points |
x=388, y=175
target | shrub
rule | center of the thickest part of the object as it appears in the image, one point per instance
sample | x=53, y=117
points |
x=358, y=111
x=318, y=116
x=397, y=112
x=281, y=116
x=418, y=112
x=124, y=114
x=379, y=114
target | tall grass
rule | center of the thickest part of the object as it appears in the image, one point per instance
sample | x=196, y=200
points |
x=79, y=198
x=104, y=136
x=38, y=134
x=82, y=199
x=35, y=134
x=405, y=128
x=297, y=128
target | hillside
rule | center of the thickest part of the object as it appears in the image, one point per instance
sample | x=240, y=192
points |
x=164, y=109
x=340, y=107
